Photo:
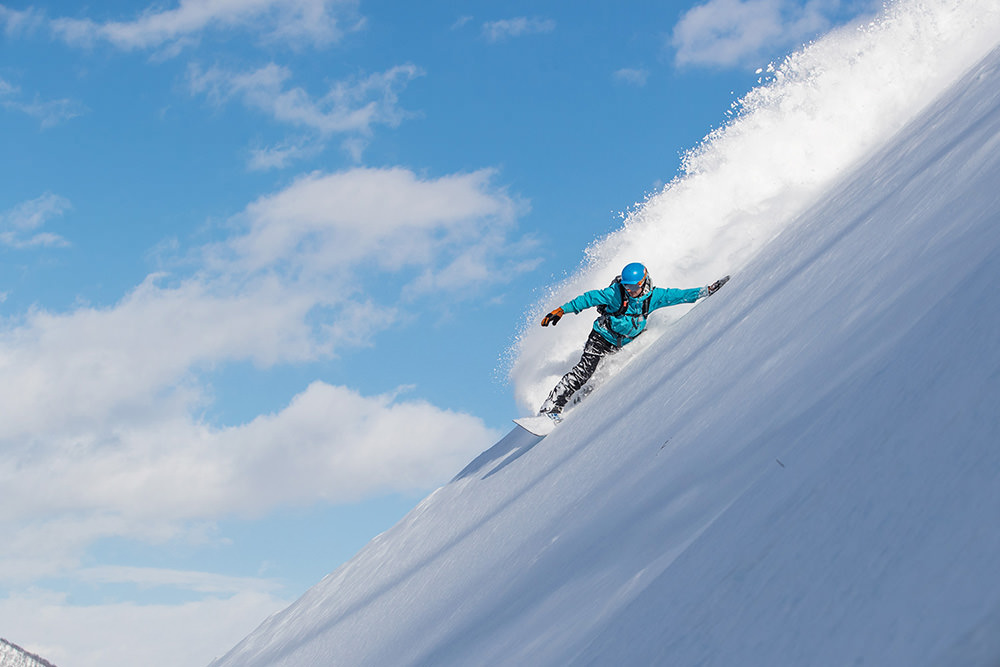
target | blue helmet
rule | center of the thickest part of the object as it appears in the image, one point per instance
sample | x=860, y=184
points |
x=634, y=274
x=635, y=278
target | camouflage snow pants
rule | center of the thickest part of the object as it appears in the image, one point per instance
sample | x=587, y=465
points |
x=597, y=348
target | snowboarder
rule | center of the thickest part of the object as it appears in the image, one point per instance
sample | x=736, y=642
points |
x=623, y=306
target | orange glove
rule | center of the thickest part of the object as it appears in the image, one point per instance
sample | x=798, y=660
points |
x=553, y=317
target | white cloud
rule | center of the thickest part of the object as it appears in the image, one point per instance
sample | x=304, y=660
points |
x=352, y=106
x=40, y=543
x=151, y=577
x=348, y=106
x=291, y=22
x=274, y=292
x=348, y=446
x=19, y=226
x=635, y=77
x=101, y=427
x=16, y=22
x=117, y=633
x=101, y=405
x=50, y=112
x=71, y=374
x=461, y=22
x=281, y=155
x=498, y=31
x=389, y=217
x=145, y=480
x=735, y=32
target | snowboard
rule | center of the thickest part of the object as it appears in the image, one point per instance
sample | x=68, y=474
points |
x=539, y=425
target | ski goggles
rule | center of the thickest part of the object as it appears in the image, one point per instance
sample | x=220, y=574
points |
x=635, y=290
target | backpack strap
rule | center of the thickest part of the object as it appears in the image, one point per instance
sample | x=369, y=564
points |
x=623, y=297
x=606, y=315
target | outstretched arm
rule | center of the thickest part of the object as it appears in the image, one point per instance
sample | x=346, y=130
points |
x=663, y=297
x=597, y=297
x=669, y=296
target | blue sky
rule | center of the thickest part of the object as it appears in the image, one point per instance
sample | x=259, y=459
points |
x=262, y=262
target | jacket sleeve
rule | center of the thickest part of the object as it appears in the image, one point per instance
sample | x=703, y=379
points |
x=663, y=297
x=607, y=296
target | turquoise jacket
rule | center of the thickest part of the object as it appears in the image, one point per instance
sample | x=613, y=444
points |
x=622, y=329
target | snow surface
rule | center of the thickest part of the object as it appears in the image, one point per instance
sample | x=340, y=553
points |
x=817, y=115
x=12, y=655
x=803, y=470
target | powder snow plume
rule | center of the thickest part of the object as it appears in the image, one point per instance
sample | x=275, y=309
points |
x=813, y=117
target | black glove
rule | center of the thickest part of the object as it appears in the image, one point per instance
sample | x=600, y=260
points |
x=714, y=287
x=553, y=317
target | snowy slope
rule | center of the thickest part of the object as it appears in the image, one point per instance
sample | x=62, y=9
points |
x=817, y=115
x=12, y=655
x=802, y=470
